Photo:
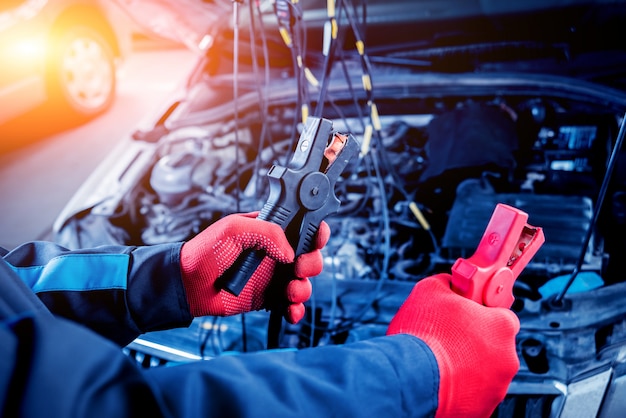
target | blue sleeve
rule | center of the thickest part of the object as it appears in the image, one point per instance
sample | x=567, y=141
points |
x=118, y=291
x=391, y=376
x=50, y=366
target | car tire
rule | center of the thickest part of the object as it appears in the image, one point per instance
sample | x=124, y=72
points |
x=81, y=73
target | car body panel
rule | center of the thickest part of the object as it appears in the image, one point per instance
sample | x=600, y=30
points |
x=27, y=38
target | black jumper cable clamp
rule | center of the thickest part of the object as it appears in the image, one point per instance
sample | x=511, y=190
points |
x=301, y=195
x=507, y=245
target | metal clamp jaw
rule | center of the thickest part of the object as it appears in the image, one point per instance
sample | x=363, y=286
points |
x=301, y=194
x=507, y=246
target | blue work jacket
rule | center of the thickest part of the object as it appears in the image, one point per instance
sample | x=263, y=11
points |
x=64, y=316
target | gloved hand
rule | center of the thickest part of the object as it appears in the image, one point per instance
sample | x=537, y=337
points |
x=205, y=257
x=474, y=345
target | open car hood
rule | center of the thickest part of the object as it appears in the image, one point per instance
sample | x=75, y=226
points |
x=187, y=22
x=452, y=36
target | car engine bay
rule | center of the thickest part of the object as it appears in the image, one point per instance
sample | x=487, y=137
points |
x=549, y=161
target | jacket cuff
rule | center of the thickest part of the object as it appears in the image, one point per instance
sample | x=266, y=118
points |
x=156, y=295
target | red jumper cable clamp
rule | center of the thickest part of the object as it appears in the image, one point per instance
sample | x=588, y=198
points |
x=507, y=245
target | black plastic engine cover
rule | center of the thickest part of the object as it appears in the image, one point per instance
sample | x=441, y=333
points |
x=564, y=219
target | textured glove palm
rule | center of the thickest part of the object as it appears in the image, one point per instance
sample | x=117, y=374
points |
x=474, y=346
x=204, y=258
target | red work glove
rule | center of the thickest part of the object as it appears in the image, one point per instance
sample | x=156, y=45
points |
x=474, y=346
x=209, y=254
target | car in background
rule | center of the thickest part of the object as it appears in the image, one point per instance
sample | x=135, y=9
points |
x=457, y=106
x=61, y=53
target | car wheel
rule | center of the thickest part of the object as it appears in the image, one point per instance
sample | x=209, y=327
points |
x=82, y=73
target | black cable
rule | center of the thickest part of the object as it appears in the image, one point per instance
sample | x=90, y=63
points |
x=297, y=117
x=244, y=334
x=328, y=61
x=299, y=46
x=209, y=332
x=236, y=96
x=352, y=91
x=597, y=208
x=289, y=16
x=312, y=301
x=367, y=72
x=203, y=339
x=236, y=128
x=265, y=132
